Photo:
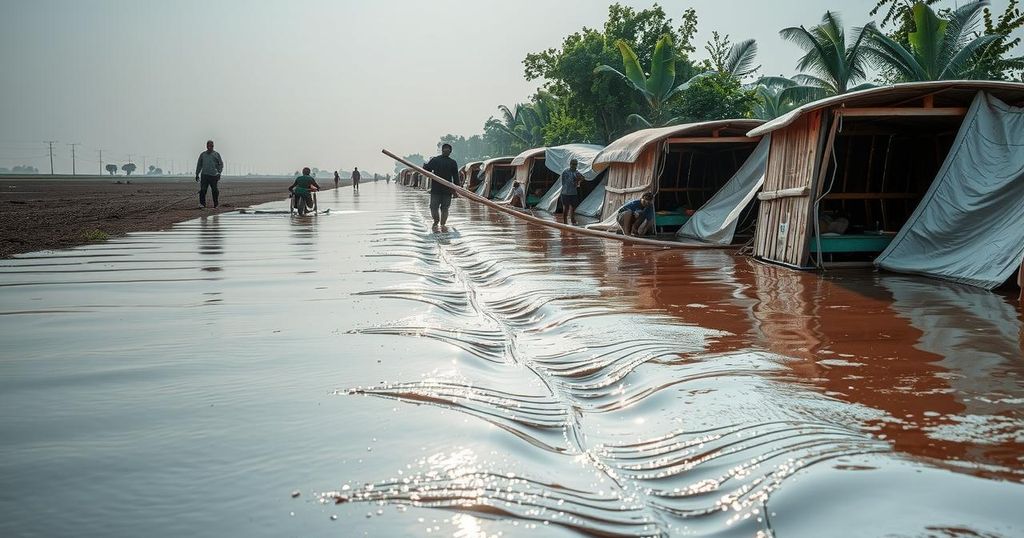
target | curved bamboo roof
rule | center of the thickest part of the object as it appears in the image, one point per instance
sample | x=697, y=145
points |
x=628, y=148
x=497, y=160
x=528, y=154
x=946, y=93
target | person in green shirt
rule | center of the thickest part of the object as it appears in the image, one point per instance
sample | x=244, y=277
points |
x=302, y=191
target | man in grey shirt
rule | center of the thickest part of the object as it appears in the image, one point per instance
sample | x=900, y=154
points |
x=208, y=171
x=570, y=178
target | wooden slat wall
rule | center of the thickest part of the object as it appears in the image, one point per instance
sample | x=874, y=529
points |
x=635, y=177
x=782, y=223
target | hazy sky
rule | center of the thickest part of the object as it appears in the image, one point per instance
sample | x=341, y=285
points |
x=282, y=84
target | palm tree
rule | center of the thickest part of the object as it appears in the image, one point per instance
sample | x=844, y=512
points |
x=940, y=49
x=524, y=123
x=657, y=87
x=780, y=95
x=836, y=65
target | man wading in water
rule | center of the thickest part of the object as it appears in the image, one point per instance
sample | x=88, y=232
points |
x=355, y=178
x=209, y=168
x=570, y=179
x=441, y=195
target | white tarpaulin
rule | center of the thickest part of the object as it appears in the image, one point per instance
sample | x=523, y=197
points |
x=557, y=160
x=715, y=221
x=591, y=205
x=969, y=227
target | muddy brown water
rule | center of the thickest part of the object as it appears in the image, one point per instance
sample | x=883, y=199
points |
x=497, y=378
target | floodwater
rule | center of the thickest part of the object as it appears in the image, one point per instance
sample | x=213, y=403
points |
x=498, y=379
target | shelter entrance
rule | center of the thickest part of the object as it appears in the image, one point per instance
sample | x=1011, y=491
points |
x=881, y=169
x=691, y=174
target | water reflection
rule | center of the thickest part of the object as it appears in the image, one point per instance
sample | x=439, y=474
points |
x=211, y=243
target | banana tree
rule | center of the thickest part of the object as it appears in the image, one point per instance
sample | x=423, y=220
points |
x=835, y=65
x=940, y=49
x=657, y=86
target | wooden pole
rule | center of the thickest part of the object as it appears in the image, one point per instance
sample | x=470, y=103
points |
x=469, y=195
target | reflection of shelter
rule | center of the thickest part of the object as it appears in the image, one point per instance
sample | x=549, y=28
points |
x=846, y=173
x=470, y=175
x=532, y=174
x=684, y=166
x=495, y=173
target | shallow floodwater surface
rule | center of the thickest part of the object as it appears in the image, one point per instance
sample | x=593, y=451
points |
x=355, y=374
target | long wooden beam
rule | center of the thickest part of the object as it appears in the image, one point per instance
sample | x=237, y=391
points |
x=878, y=112
x=472, y=196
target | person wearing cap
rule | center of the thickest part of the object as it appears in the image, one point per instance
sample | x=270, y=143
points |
x=636, y=218
x=570, y=179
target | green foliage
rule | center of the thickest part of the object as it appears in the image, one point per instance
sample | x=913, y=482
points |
x=834, y=65
x=606, y=102
x=992, y=62
x=717, y=96
x=938, y=48
x=128, y=168
x=565, y=128
x=779, y=95
x=414, y=158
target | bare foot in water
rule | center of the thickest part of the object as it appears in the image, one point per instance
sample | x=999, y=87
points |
x=444, y=229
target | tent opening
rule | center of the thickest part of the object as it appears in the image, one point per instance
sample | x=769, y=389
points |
x=882, y=168
x=541, y=179
x=692, y=174
x=501, y=175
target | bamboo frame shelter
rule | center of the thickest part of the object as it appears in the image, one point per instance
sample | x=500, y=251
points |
x=495, y=173
x=469, y=175
x=532, y=174
x=845, y=173
x=683, y=166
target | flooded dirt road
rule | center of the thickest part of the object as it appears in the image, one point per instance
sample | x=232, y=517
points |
x=494, y=379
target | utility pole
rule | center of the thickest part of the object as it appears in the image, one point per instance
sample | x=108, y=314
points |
x=73, y=171
x=101, y=162
x=51, y=143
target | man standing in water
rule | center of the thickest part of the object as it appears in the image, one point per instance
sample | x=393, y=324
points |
x=441, y=195
x=570, y=179
x=355, y=178
x=336, y=179
x=208, y=171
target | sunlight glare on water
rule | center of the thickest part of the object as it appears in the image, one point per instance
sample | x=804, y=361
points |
x=498, y=378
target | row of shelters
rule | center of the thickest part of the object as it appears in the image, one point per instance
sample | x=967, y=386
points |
x=924, y=178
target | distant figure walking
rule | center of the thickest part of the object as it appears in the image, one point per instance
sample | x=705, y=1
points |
x=208, y=171
x=387, y=179
x=337, y=178
x=570, y=179
x=441, y=195
x=355, y=178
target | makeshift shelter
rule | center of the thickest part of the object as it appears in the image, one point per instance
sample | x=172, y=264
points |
x=556, y=160
x=847, y=173
x=532, y=174
x=495, y=174
x=683, y=166
x=470, y=175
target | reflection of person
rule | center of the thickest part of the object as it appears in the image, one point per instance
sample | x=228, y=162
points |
x=518, y=195
x=337, y=178
x=570, y=179
x=302, y=190
x=637, y=217
x=208, y=171
x=355, y=178
x=441, y=195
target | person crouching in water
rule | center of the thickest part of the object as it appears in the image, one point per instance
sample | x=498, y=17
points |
x=302, y=191
x=518, y=195
x=637, y=217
